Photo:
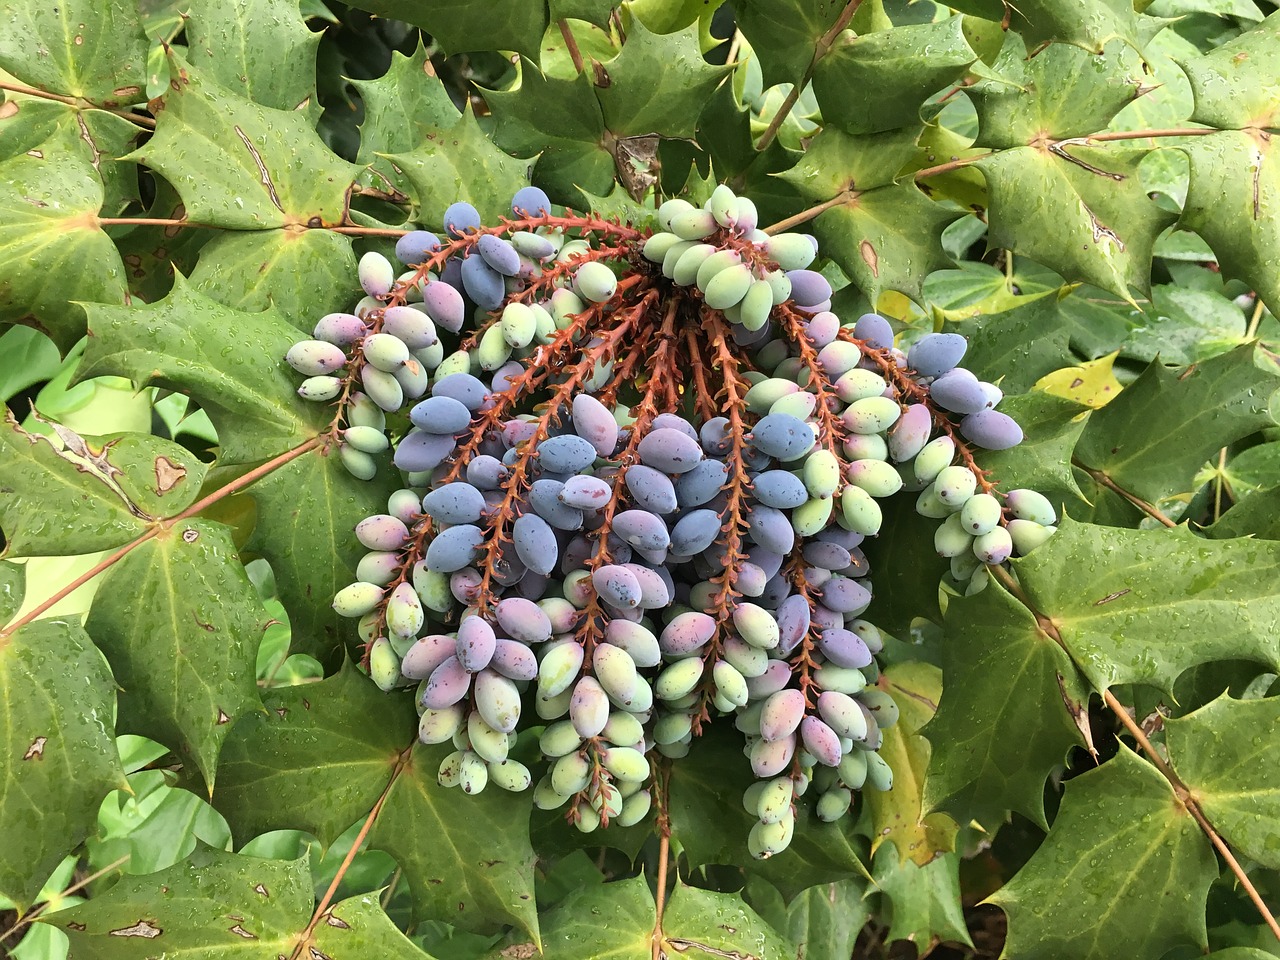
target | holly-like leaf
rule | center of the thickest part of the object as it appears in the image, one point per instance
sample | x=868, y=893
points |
x=1209, y=405
x=48, y=228
x=1088, y=23
x=612, y=920
x=180, y=622
x=58, y=757
x=924, y=901
x=1060, y=93
x=1082, y=210
x=212, y=904
x=1231, y=202
x=824, y=920
x=905, y=65
x=1015, y=347
x=306, y=512
x=905, y=567
x=1185, y=325
x=316, y=759
x=1042, y=462
x=709, y=821
x=784, y=33
x=560, y=121
x=105, y=492
x=1005, y=719
x=1222, y=752
x=1132, y=605
x=898, y=815
x=154, y=254
x=657, y=84
x=231, y=362
x=214, y=145
x=95, y=49
x=467, y=858
x=1235, y=85
x=461, y=163
x=1148, y=864
x=1256, y=515
x=358, y=927
x=262, y=50
x=254, y=271
x=463, y=26
x=402, y=108
x=705, y=925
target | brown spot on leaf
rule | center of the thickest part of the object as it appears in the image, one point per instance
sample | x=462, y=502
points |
x=1079, y=715
x=260, y=889
x=206, y=627
x=338, y=922
x=190, y=535
x=143, y=928
x=240, y=931
x=76, y=926
x=130, y=92
x=281, y=711
x=870, y=257
x=36, y=750
x=317, y=955
x=519, y=951
x=222, y=717
x=8, y=109
x=168, y=474
x=1111, y=596
x=39, y=156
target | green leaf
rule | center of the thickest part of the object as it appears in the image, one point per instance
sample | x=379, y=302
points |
x=905, y=65
x=1256, y=515
x=467, y=858
x=306, y=512
x=1060, y=93
x=316, y=759
x=180, y=622
x=1095, y=321
x=12, y=589
x=1208, y=406
x=403, y=107
x=710, y=823
x=1089, y=23
x=1123, y=873
x=1003, y=722
x=657, y=84
x=898, y=815
x=784, y=33
x=706, y=925
x=358, y=927
x=240, y=165
x=905, y=567
x=1042, y=462
x=1081, y=210
x=924, y=902
x=1016, y=347
x=611, y=920
x=154, y=254
x=463, y=26
x=1222, y=752
x=94, y=49
x=825, y=920
x=58, y=758
x=49, y=228
x=254, y=271
x=1235, y=85
x=211, y=905
x=1184, y=325
x=560, y=121
x=1132, y=605
x=230, y=361
x=461, y=163
x=103, y=492
x=262, y=51
x=1231, y=202
x=31, y=358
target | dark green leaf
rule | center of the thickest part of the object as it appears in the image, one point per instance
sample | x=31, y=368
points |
x=467, y=858
x=93, y=49
x=1222, y=752
x=1184, y=325
x=1123, y=873
x=824, y=921
x=613, y=920
x=240, y=165
x=12, y=589
x=58, y=758
x=1207, y=407
x=1089, y=23
x=785, y=33
x=905, y=65
x=706, y=925
x=1236, y=84
x=1005, y=717
x=905, y=568
x=316, y=759
x=924, y=901
x=1132, y=605
x=1231, y=202
x=211, y=905
x=462, y=26
x=560, y=120
x=154, y=254
x=461, y=163
x=180, y=622
x=32, y=358
x=1015, y=347
x=1256, y=515
x=254, y=271
x=103, y=493
x=230, y=361
x=261, y=50
x=48, y=228
x=657, y=84
x=1096, y=321
x=358, y=927
x=1081, y=210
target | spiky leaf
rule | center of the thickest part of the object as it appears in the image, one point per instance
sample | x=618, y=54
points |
x=461, y=26
x=1235, y=85
x=924, y=901
x=785, y=33
x=94, y=49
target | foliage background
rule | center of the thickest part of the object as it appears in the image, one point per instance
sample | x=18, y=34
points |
x=1091, y=194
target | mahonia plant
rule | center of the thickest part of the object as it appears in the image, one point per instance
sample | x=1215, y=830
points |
x=648, y=551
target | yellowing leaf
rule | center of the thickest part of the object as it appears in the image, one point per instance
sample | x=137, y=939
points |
x=1092, y=383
